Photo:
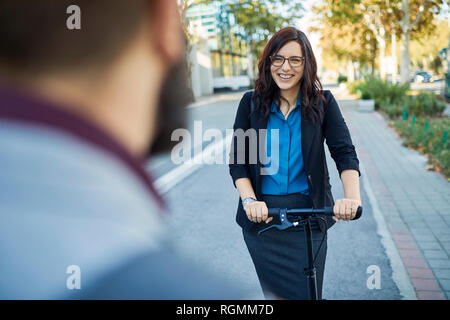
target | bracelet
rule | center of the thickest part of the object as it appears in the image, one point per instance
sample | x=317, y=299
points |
x=247, y=200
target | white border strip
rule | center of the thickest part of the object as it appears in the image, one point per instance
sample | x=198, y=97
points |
x=399, y=273
x=175, y=176
x=233, y=96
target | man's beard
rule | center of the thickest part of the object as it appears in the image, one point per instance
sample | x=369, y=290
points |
x=175, y=96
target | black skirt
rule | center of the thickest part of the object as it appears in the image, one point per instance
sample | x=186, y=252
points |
x=280, y=256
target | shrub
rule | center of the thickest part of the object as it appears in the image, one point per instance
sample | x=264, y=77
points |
x=341, y=78
x=424, y=104
x=426, y=107
x=381, y=91
x=353, y=87
x=429, y=141
x=392, y=110
x=365, y=96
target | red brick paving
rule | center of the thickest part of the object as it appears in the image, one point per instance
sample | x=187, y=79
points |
x=406, y=245
x=431, y=295
x=415, y=262
x=424, y=273
x=409, y=253
x=425, y=284
x=422, y=278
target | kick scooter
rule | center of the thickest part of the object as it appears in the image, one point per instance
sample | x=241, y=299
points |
x=306, y=214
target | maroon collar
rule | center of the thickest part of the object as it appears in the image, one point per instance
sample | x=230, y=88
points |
x=18, y=105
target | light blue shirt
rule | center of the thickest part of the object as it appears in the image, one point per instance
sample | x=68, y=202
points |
x=290, y=176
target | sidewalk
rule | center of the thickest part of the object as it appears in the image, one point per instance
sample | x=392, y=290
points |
x=415, y=202
x=205, y=100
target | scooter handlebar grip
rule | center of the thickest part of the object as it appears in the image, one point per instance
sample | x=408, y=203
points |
x=358, y=213
x=329, y=211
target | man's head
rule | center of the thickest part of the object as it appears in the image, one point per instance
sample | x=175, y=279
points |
x=113, y=70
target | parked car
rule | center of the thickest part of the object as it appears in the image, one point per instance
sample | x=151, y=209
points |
x=422, y=76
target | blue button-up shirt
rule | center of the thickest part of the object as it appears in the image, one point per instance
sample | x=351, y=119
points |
x=290, y=176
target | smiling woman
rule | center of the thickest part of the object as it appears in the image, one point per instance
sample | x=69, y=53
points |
x=287, y=75
x=288, y=99
x=287, y=59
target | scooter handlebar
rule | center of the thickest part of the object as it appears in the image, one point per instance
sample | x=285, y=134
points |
x=327, y=211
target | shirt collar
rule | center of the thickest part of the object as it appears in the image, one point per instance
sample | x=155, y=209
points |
x=274, y=106
x=18, y=105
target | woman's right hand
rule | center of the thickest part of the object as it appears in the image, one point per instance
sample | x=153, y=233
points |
x=257, y=211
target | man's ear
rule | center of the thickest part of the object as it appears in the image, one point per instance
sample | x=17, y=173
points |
x=167, y=30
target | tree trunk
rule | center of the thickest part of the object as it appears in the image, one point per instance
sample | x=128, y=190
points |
x=394, y=57
x=404, y=49
x=372, y=71
x=350, y=71
x=404, y=64
x=382, y=41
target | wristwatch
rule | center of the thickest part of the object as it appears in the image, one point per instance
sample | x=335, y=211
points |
x=247, y=200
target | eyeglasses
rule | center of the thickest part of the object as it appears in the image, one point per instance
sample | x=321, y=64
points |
x=295, y=62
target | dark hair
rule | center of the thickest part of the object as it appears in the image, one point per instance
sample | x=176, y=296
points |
x=35, y=38
x=266, y=90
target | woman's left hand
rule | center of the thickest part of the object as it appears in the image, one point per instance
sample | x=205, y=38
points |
x=345, y=209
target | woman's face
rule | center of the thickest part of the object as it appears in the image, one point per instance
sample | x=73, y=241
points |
x=287, y=76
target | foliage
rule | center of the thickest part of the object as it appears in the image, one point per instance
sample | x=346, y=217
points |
x=344, y=35
x=342, y=78
x=426, y=132
x=259, y=19
x=424, y=104
x=346, y=31
x=428, y=141
x=392, y=98
x=383, y=92
x=254, y=21
x=425, y=49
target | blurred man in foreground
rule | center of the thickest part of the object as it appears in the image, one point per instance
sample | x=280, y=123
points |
x=80, y=110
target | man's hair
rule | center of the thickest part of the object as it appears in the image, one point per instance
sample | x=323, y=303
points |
x=34, y=36
x=34, y=39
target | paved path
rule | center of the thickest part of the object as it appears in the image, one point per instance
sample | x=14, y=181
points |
x=203, y=207
x=414, y=202
x=404, y=230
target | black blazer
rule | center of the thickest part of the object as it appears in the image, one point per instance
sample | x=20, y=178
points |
x=332, y=128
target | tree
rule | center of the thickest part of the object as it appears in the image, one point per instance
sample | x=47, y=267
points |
x=184, y=6
x=421, y=12
x=377, y=18
x=359, y=29
x=253, y=21
x=259, y=19
x=345, y=37
x=426, y=49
